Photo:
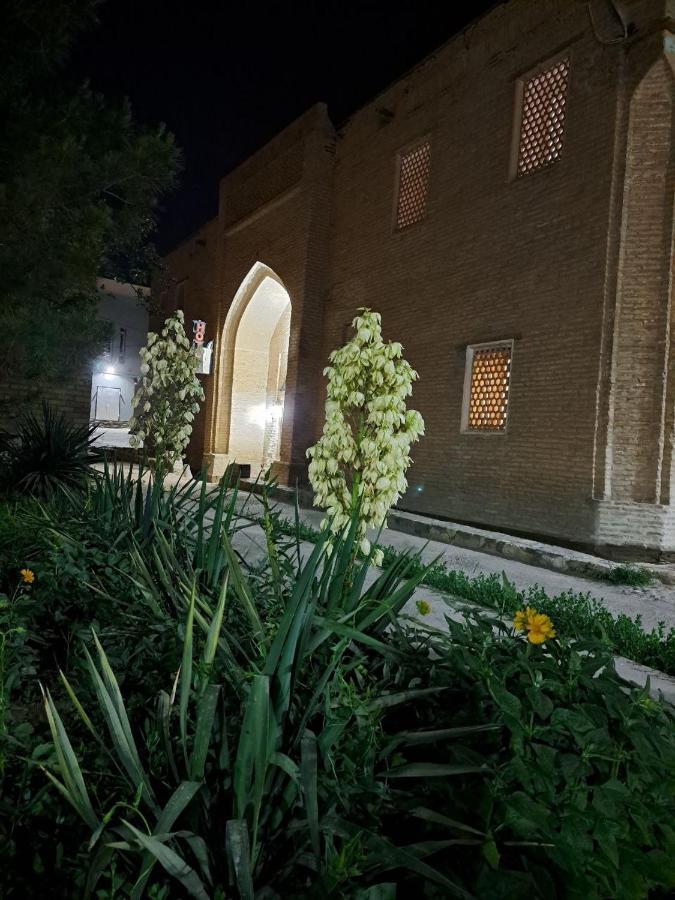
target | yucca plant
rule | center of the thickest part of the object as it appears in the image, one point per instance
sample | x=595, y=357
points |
x=48, y=455
x=240, y=792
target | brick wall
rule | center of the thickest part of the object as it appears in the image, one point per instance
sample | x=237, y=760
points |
x=573, y=263
x=71, y=396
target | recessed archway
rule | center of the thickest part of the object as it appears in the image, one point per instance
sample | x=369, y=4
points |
x=259, y=377
x=251, y=374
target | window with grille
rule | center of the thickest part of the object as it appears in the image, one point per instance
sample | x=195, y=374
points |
x=413, y=180
x=486, y=387
x=542, y=118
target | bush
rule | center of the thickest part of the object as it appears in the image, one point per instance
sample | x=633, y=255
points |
x=48, y=455
x=275, y=728
x=581, y=792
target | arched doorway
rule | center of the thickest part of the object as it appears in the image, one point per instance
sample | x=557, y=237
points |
x=260, y=326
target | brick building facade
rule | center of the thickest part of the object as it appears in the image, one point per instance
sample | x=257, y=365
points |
x=508, y=207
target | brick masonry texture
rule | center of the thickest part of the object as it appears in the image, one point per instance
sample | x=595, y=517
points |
x=572, y=262
x=71, y=396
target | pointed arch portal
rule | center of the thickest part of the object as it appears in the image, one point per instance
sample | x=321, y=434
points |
x=253, y=369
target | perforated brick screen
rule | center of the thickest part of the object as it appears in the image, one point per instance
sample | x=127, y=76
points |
x=413, y=179
x=543, y=118
x=489, y=393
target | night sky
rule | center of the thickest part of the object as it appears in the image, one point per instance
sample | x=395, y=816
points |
x=226, y=77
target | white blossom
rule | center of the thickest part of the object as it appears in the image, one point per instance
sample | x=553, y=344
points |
x=364, y=451
x=168, y=394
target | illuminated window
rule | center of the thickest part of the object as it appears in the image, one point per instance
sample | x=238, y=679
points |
x=413, y=180
x=542, y=117
x=486, y=387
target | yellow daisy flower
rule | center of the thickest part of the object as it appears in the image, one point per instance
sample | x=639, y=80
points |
x=538, y=626
x=27, y=576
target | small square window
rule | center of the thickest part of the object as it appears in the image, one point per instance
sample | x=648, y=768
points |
x=413, y=181
x=486, y=387
x=542, y=117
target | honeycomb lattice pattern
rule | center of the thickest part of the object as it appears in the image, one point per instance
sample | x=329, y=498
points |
x=543, y=118
x=413, y=179
x=489, y=398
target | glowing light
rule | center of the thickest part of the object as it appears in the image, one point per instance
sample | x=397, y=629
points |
x=257, y=415
x=110, y=370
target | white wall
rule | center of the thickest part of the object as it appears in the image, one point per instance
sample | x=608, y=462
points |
x=121, y=306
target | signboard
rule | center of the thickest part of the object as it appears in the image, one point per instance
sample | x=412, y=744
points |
x=204, y=352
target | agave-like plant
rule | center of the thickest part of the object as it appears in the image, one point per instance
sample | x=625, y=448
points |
x=248, y=735
x=48, y=455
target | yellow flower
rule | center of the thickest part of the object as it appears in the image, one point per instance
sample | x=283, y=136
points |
x=423, y=607
x=539, y=627
x=27, y=576
x=519, y=620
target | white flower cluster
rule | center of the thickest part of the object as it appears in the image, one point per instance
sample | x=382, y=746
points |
x=364, y=452
x=168, y=395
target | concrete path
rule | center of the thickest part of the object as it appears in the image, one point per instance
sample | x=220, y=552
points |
x=654, y=604
x=112, y=436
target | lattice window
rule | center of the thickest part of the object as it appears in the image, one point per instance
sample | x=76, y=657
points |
x=413, y=181
x=542, y=120
x=486, y=393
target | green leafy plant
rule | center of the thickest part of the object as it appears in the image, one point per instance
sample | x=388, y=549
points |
x=47, y=455
x=241, y=756
x=584, y=788
x=635, y=576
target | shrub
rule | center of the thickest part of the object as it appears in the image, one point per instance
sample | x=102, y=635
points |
x=226, y=782
x=582, y=793
x=48, y=455
x=341, y=759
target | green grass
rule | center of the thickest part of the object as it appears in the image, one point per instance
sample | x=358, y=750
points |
x=572, y=612
x=634, y=576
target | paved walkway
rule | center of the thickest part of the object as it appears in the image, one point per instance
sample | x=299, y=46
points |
x=654, y=604
x=112, y=436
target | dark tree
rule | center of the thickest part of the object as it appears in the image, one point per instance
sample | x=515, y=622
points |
x=79, y=187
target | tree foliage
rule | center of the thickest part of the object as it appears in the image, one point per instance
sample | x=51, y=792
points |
x=79, y=187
